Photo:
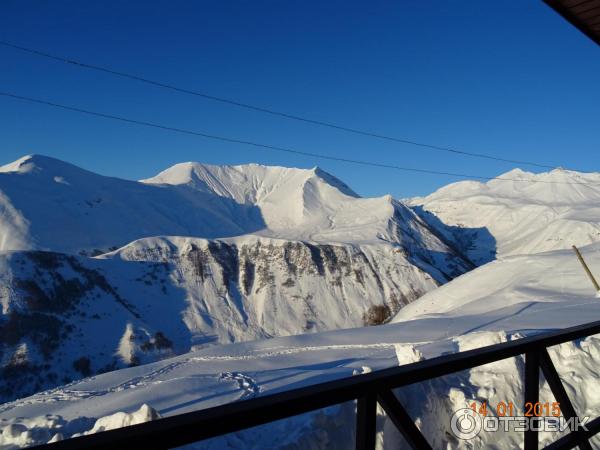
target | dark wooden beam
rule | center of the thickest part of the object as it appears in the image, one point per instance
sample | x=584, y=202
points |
x=582, y=15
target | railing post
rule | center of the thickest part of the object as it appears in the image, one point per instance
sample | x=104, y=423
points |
x=531, y=394
x=405, y=424
x=560, y=394
x=366, y=416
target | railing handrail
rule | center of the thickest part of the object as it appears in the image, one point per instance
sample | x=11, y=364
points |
x=195, y=426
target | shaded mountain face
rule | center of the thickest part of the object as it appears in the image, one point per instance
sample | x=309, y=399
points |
x=198, y=255
x=535, y=213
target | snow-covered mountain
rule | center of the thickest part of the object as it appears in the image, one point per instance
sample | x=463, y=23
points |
x=504, y=300
x=532, y=213
x=308, y=255
x=47, y=204
x=206, y=254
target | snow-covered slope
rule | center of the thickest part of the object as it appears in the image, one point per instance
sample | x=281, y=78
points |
x=46, y=204
x=534, y=213
x=312, y=205
x=163, y=296
x=294, y=203
x=507, y=299
x=322, y=259
x=514, y=283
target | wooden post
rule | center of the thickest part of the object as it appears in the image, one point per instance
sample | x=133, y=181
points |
x=366, y=421
x=587, y=269
x=531, y=394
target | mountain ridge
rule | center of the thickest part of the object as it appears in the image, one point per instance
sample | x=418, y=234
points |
x=112, y=273
x=551, y=211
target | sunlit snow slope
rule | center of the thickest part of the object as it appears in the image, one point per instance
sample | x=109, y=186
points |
x=533, y=213
x=47, y=204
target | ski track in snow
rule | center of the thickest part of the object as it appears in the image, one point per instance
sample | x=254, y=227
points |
x=292, y=351
x=245, y=382
x=65, y=394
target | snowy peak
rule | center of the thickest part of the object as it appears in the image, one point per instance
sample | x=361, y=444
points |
x=29, y=163
x=17, y=165
x=302, y=204
x=557, y=187
x=553, y=187
x=94, y=214
x=43, y=166
x=247, y=183
x=517, y=173
x=558, y=174
x=48, y=204
x=51, y=175
x=335, y=182
x=308, y=204
x=518, y=212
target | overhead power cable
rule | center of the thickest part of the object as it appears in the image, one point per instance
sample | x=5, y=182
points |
x=267, y=146
x=270, y=111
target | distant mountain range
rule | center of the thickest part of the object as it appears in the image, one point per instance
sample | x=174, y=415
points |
x=532, y=213
x=98, y=273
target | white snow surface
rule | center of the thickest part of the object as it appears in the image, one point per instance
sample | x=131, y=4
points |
x=47, y=204
x=534, y=213
x=17, y=433
x=199, y=255
x=507, y=299
x=294, y=203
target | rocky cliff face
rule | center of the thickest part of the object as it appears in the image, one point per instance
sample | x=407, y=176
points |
x=286, y=287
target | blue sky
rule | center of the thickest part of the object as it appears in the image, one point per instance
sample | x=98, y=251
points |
x=508, y=78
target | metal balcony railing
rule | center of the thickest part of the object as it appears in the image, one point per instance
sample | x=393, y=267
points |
x=369, y=390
